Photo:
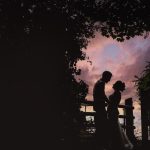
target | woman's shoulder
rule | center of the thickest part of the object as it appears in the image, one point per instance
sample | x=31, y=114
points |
x=115, y=95
x=118, y=93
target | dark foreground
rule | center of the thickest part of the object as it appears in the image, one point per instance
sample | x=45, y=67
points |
x=89, y=144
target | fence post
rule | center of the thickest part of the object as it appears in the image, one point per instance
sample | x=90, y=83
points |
x=144, y=120
x=129, y=119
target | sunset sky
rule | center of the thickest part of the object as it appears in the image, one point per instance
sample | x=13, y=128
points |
x=124, y=59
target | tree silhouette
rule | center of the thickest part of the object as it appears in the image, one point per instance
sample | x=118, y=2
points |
x=41, y=42
x=143, y=84
x=143, y=88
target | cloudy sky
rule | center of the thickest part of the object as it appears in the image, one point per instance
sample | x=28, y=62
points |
x=124, y=59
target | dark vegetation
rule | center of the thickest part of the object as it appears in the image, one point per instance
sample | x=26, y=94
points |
x=143, y=88
x=41, y=41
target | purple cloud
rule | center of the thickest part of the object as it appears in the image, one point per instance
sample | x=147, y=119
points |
x=124, y=60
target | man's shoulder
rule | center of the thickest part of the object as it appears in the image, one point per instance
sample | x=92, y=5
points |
x=100, y=82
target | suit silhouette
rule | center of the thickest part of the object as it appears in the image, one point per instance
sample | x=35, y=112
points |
x=100, y=101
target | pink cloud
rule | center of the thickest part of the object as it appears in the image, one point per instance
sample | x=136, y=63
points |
x=124, y=60
x=129, y=61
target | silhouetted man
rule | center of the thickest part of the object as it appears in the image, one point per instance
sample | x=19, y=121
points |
x=100, y=101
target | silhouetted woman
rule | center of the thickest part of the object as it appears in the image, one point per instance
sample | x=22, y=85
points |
x=118, y=139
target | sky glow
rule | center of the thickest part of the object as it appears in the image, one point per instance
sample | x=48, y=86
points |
x=124, y=59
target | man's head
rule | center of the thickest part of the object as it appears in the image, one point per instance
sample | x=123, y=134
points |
x=106, y=76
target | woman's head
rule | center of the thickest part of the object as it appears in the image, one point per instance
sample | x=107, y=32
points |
x=119, y=85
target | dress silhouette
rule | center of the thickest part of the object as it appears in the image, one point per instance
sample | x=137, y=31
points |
x=118, y=139
x=100, y=101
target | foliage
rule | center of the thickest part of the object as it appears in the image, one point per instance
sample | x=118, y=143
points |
x=42, y=40
x=118, y=19
x=143, y=82
x=143, y=86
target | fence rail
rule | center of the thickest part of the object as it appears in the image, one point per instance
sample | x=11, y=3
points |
x=128, y=118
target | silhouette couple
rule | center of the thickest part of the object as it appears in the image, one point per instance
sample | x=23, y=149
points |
x=109, y=134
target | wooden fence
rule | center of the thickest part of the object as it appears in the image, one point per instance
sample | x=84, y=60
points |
x=128, y=118
x=145, y=117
